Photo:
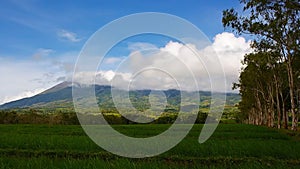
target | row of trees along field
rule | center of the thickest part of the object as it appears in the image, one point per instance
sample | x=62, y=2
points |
x=270, y=79
x=69, y=117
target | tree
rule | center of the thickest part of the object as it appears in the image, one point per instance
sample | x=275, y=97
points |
x=276, y=27
x=258, y=88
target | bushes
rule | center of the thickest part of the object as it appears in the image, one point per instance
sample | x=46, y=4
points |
x=33, y=116
x=166, y=118
x=36, y=117
x=8, y=117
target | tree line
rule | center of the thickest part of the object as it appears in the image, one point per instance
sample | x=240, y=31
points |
x=269, y=82
x=36, y=116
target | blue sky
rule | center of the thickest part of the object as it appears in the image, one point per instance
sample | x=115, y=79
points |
x=40, y=40
x=29, y=25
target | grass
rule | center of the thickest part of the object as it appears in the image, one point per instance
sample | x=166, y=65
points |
x=231, y=146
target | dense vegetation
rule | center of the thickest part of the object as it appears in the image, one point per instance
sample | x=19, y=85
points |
x=270, y=80
x=35, y=116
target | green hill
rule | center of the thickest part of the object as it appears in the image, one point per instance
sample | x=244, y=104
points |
x=60, y=96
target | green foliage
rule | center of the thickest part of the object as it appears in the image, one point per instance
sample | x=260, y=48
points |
x=34, y=116
x=71, y=118
x=112, y=116
x=269, y=81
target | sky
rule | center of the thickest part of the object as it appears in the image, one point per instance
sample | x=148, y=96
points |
x=41, y=40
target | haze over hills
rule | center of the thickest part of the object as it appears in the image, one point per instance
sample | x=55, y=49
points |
x=60, y=96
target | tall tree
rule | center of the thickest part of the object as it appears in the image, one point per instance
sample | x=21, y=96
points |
x=276, y=26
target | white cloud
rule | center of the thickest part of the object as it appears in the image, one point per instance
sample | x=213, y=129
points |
x=24, y=78
x=231, y=51
x=103, y=78
x=112, y=60
x=21, y=95
x=140, y=46
x=68, y=35
x=172, y=65
x=41, y=52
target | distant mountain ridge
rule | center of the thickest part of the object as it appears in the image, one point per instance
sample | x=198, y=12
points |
x=60, y=96
x=59, y=92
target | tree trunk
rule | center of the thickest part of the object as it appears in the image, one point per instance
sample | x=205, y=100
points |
x=298, y=110
x=277, y=102
x=284, y=114
x=272, y=109
x=270, y=106
x=278, y=111
x=291, y=85
x=260, y=113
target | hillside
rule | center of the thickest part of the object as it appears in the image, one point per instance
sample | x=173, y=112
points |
x=60, y=96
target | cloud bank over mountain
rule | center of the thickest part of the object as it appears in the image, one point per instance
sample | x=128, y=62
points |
x=175, y=65
x=171, y=64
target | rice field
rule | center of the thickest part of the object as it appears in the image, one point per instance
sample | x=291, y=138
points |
x=68, y=147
